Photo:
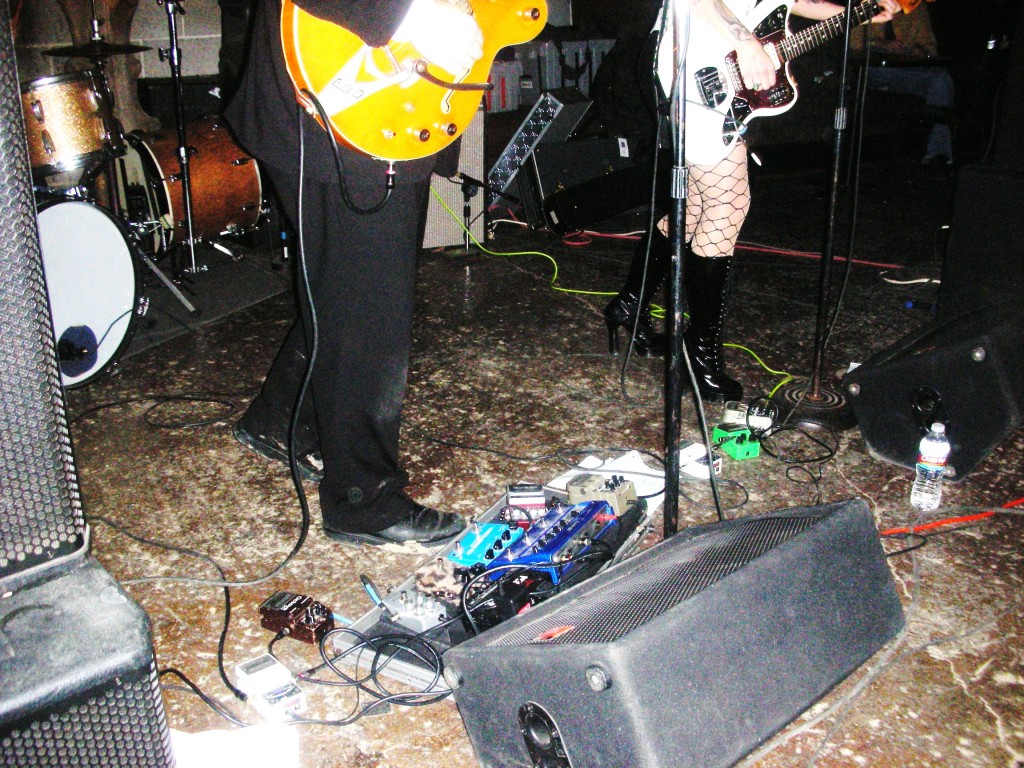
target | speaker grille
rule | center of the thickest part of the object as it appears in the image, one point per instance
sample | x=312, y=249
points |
x=122, y=725
x=40, y=514
x=644, y=593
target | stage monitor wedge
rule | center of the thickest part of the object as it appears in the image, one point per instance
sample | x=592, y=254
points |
x=966, y=371
x=688, y=654
x=79, y=678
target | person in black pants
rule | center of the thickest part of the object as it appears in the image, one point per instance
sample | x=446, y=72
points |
x=361, y=273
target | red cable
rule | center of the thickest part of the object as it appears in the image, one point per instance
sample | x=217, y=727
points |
x=810, y=255
x=950, y=520
x=937, y=524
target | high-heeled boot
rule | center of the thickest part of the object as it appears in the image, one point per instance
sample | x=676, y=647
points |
x=706, y=281
x=622, y=311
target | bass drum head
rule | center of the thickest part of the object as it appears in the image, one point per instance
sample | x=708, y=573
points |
x=93, y=286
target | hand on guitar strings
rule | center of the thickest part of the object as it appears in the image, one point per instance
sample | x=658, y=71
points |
x=446, y=35
x=758, y=69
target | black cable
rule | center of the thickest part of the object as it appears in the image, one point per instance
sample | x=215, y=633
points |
x=340, y=166
x=725, y=483
x=385, y=649
x=219, y=398
x=517, y=569
x=830, y=449
x=922, y=541
x=212, y=703
x=191, y=553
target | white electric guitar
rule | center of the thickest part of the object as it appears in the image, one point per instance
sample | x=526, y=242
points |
x=718, y=104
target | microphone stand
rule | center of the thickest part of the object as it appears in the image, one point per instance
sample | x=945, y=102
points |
x=470, y=187
x=679, y=363
x=173, y=56
x=677, y=231
x=812, y=404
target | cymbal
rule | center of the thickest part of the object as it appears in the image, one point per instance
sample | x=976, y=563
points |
x=96, y=49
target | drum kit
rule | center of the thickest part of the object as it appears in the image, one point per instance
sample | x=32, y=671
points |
x=141, y=198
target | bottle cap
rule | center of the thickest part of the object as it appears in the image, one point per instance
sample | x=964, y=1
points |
x=939, y=427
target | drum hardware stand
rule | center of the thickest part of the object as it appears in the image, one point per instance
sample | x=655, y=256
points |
x=173, y=56
x=113, y=185
x=168, y=282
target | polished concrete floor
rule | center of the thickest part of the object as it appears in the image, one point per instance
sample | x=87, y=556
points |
x=510, y=378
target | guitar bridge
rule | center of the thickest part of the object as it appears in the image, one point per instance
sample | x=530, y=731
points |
x=712, y=90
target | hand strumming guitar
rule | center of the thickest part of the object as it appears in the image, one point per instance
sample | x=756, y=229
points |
x=756, y=67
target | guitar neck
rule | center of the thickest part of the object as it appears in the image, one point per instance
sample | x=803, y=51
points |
x=823, y=31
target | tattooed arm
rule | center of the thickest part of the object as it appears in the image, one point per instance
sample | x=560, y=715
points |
x=756, y=68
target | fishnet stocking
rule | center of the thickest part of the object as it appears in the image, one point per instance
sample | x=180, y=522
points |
x=717, y=202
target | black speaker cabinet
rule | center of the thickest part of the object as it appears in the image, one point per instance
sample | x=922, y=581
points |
x=78, y=683
x=556, y=166
x=688, y=654
x=967, y=372
x=984, y=263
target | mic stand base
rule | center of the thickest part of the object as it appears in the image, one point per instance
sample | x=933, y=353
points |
x=829, y=408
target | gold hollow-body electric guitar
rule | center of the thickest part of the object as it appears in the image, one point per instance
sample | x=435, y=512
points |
x=389, y=102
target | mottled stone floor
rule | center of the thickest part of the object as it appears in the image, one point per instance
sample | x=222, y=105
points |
x=510, y=367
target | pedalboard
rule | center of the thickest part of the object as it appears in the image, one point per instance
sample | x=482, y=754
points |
x=296, y=616
x=517, y=553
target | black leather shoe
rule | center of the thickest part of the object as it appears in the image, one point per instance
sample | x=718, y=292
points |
x=420, y=524
x=311, y=467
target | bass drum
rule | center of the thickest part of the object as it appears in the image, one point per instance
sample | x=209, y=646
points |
x=227, y=193
x=92, y=281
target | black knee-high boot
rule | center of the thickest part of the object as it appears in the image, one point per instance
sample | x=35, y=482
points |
x=706, y=281
x=622, y=311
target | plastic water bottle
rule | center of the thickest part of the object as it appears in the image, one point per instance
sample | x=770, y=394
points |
x=933, y=453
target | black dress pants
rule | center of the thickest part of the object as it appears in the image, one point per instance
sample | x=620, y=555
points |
x=361, y=271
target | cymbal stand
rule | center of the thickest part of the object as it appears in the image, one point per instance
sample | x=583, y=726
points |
x=172, y=55
x=95, y=37
x=116, y=183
